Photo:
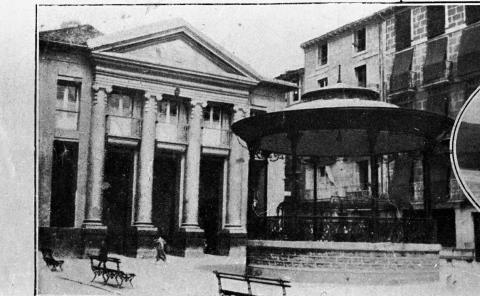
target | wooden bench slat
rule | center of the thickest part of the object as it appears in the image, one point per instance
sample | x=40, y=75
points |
x=249, y=280
x=234, y=293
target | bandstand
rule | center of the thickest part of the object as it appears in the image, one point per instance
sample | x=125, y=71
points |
x=344, y=121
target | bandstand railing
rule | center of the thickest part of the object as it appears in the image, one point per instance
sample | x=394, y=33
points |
x=343, y=229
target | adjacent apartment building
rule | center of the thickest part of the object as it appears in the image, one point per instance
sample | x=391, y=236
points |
x=134, y=140
x=422, y=57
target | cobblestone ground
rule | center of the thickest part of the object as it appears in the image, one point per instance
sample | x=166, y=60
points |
x=181, y=276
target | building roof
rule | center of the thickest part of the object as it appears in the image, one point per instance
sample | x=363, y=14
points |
x=179, y=25
x=89, y=37
x=77, y=35
x=377, y=16
x=291, y=75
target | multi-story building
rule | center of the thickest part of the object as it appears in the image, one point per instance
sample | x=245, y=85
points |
x=421, y=57
x=135, y=142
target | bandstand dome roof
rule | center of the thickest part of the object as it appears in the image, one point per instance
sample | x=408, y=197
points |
x=339, y=121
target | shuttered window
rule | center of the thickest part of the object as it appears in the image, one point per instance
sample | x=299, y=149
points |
x=469, y=52
x=435, y=62
x=435, y=20
x=402, y=30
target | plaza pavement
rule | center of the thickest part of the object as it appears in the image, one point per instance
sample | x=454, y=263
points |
x=193, y=276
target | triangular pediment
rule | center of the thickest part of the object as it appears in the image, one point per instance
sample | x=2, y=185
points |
x=174, y=44
x=178, y=52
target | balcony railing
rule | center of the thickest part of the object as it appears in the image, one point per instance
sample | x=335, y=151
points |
x=343, y=229
x=402, y=82
x=215, y=137
x=171, y=132
x=126, y=127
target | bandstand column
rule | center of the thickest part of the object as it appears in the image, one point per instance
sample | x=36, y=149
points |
x=93, y=229
x=191, y=235
x=144, y=230
x=372, y=140
x=233, y=238
x=427, y=187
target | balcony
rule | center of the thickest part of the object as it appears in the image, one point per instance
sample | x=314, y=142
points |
x=124, y=127
x=437, y=74
x=402, y=83
x=172, y=133
x=215, y=137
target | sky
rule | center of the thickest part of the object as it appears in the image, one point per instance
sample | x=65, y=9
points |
x=267, y=37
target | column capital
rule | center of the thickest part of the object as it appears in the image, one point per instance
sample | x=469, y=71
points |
x=149, y=95
x=194, y=103
x=106, y=88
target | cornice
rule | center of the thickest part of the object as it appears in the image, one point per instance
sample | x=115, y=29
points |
x=170, y=81
x=139, y=67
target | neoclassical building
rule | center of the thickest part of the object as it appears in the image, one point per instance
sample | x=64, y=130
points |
x=134, y=141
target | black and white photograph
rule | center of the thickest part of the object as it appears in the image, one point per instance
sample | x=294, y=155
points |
x=227, y=148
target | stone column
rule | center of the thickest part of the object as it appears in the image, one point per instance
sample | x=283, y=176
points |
x=143, y=213
x=236, y=163
x=93, y=229
x=145, y=232
x=234, y=235
x=191, y=234
x=93, y=209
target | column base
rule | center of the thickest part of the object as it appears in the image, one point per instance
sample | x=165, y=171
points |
x=232, y=241
x=142, y=243
x=93, y=233
x=189, y=242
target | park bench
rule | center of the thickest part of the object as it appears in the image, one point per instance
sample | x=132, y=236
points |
x=51, y=262
x=100, y=268
x=249, y=280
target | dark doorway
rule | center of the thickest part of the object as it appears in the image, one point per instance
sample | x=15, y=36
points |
x=117, y=197
x=445, y=219
x=64, y=183
x=257, y=197
x=165, y=193
x=476, y=234
x=210, y=198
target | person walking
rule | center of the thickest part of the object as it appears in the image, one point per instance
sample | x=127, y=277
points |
x=161, y=249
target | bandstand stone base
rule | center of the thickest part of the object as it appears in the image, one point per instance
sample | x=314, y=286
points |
x=344, y=262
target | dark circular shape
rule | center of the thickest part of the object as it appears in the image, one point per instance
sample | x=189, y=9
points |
x=465, y=144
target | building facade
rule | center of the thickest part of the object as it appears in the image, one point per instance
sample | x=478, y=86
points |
x=421, y=57
x=135, y=142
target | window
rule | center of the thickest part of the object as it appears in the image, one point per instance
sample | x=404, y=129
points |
x=215, y=117
x=323, y=82
x=360, y=40
x=167, y=111
x=322, y=54
x=361, y=74
x=124, y=105
x=66, y=113
x=295, y=96
x=472, y=14
x=402, y=30
x=435, y=20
